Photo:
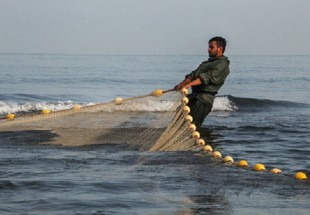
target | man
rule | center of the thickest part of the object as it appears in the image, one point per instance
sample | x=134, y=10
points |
x=206, y=80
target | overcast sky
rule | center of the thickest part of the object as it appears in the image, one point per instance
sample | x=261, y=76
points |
x=154, y=26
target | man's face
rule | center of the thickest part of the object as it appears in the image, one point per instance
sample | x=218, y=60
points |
x=214, y=50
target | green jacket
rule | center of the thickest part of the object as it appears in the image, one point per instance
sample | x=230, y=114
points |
x=212, y=74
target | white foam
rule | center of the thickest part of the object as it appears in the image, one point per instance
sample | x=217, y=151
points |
x=145, y=105
x=142, y=105
x=222, y=103
x=12, y=107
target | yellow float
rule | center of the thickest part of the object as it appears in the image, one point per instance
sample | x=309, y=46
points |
x=184, y=91
x=76, y=107
x=300, y=176
x=118, y=101
x=216, y=154
x=188, y=118
x=157, y=93
x=195, y=135
x=200, y=142
x=184, y=100
x=192, y=127
x=228, y=159
x=45, y=111
x=275, y=171
x=242, y=163
x=10, y=116
x=259, y=167
x=186, y=109
x=207, y=148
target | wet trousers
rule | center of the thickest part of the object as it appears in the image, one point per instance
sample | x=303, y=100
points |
x=198, y=110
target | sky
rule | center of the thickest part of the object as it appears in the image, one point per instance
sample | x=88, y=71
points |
x=163, y=27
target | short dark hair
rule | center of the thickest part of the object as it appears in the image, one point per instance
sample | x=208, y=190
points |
x=220, y=42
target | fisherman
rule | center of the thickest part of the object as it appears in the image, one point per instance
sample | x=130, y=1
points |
x=206, y=80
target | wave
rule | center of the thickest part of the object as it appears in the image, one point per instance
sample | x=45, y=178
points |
x=13, y=107
x=226, y=103
x=253, y=104
x=149, y=105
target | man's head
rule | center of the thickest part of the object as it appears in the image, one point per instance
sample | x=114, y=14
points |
x=217, y=46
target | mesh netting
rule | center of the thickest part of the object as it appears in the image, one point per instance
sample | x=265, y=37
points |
x=148, y=122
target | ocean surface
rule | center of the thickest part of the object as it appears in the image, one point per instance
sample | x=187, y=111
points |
x=261, y=114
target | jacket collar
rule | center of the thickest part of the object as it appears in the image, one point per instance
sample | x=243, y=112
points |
x=217, y=58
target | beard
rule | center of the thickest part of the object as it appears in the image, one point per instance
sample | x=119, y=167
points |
x=213, y=54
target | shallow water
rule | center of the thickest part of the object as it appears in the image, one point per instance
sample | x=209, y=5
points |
x=113, y=179
x=261, y=115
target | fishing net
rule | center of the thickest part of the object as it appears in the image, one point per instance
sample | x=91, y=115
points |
x=165, y=126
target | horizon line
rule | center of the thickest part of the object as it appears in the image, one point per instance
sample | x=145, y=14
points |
x=141, y=54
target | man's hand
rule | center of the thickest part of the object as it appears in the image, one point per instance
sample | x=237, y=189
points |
x=177, y=87
x=182, y=84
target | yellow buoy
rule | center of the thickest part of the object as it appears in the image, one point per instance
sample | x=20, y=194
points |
x=200, y=142
x=188, y=118
x=275, y=171
x=192, y=127
x=184, y=100
x=228, y=159
x=242, y=163
x=207, y=148
x=195, y=135
x=186, y=109
x=10, y=116
x=300, y=176
x=45, y=111
x=118, y=101
x=76, y=107
x=157, y=93
x=259, y=167
x=184, y=91
x=216, y=154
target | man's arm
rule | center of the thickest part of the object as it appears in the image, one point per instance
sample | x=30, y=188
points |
x=187, y=80
x=216, y=74
x=193, y=83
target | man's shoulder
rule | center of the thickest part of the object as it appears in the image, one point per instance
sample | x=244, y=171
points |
x=222, y=58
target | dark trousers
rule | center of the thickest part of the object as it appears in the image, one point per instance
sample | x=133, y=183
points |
x=199, y=111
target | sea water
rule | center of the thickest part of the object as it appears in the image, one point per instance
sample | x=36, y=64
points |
x=261, y=114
